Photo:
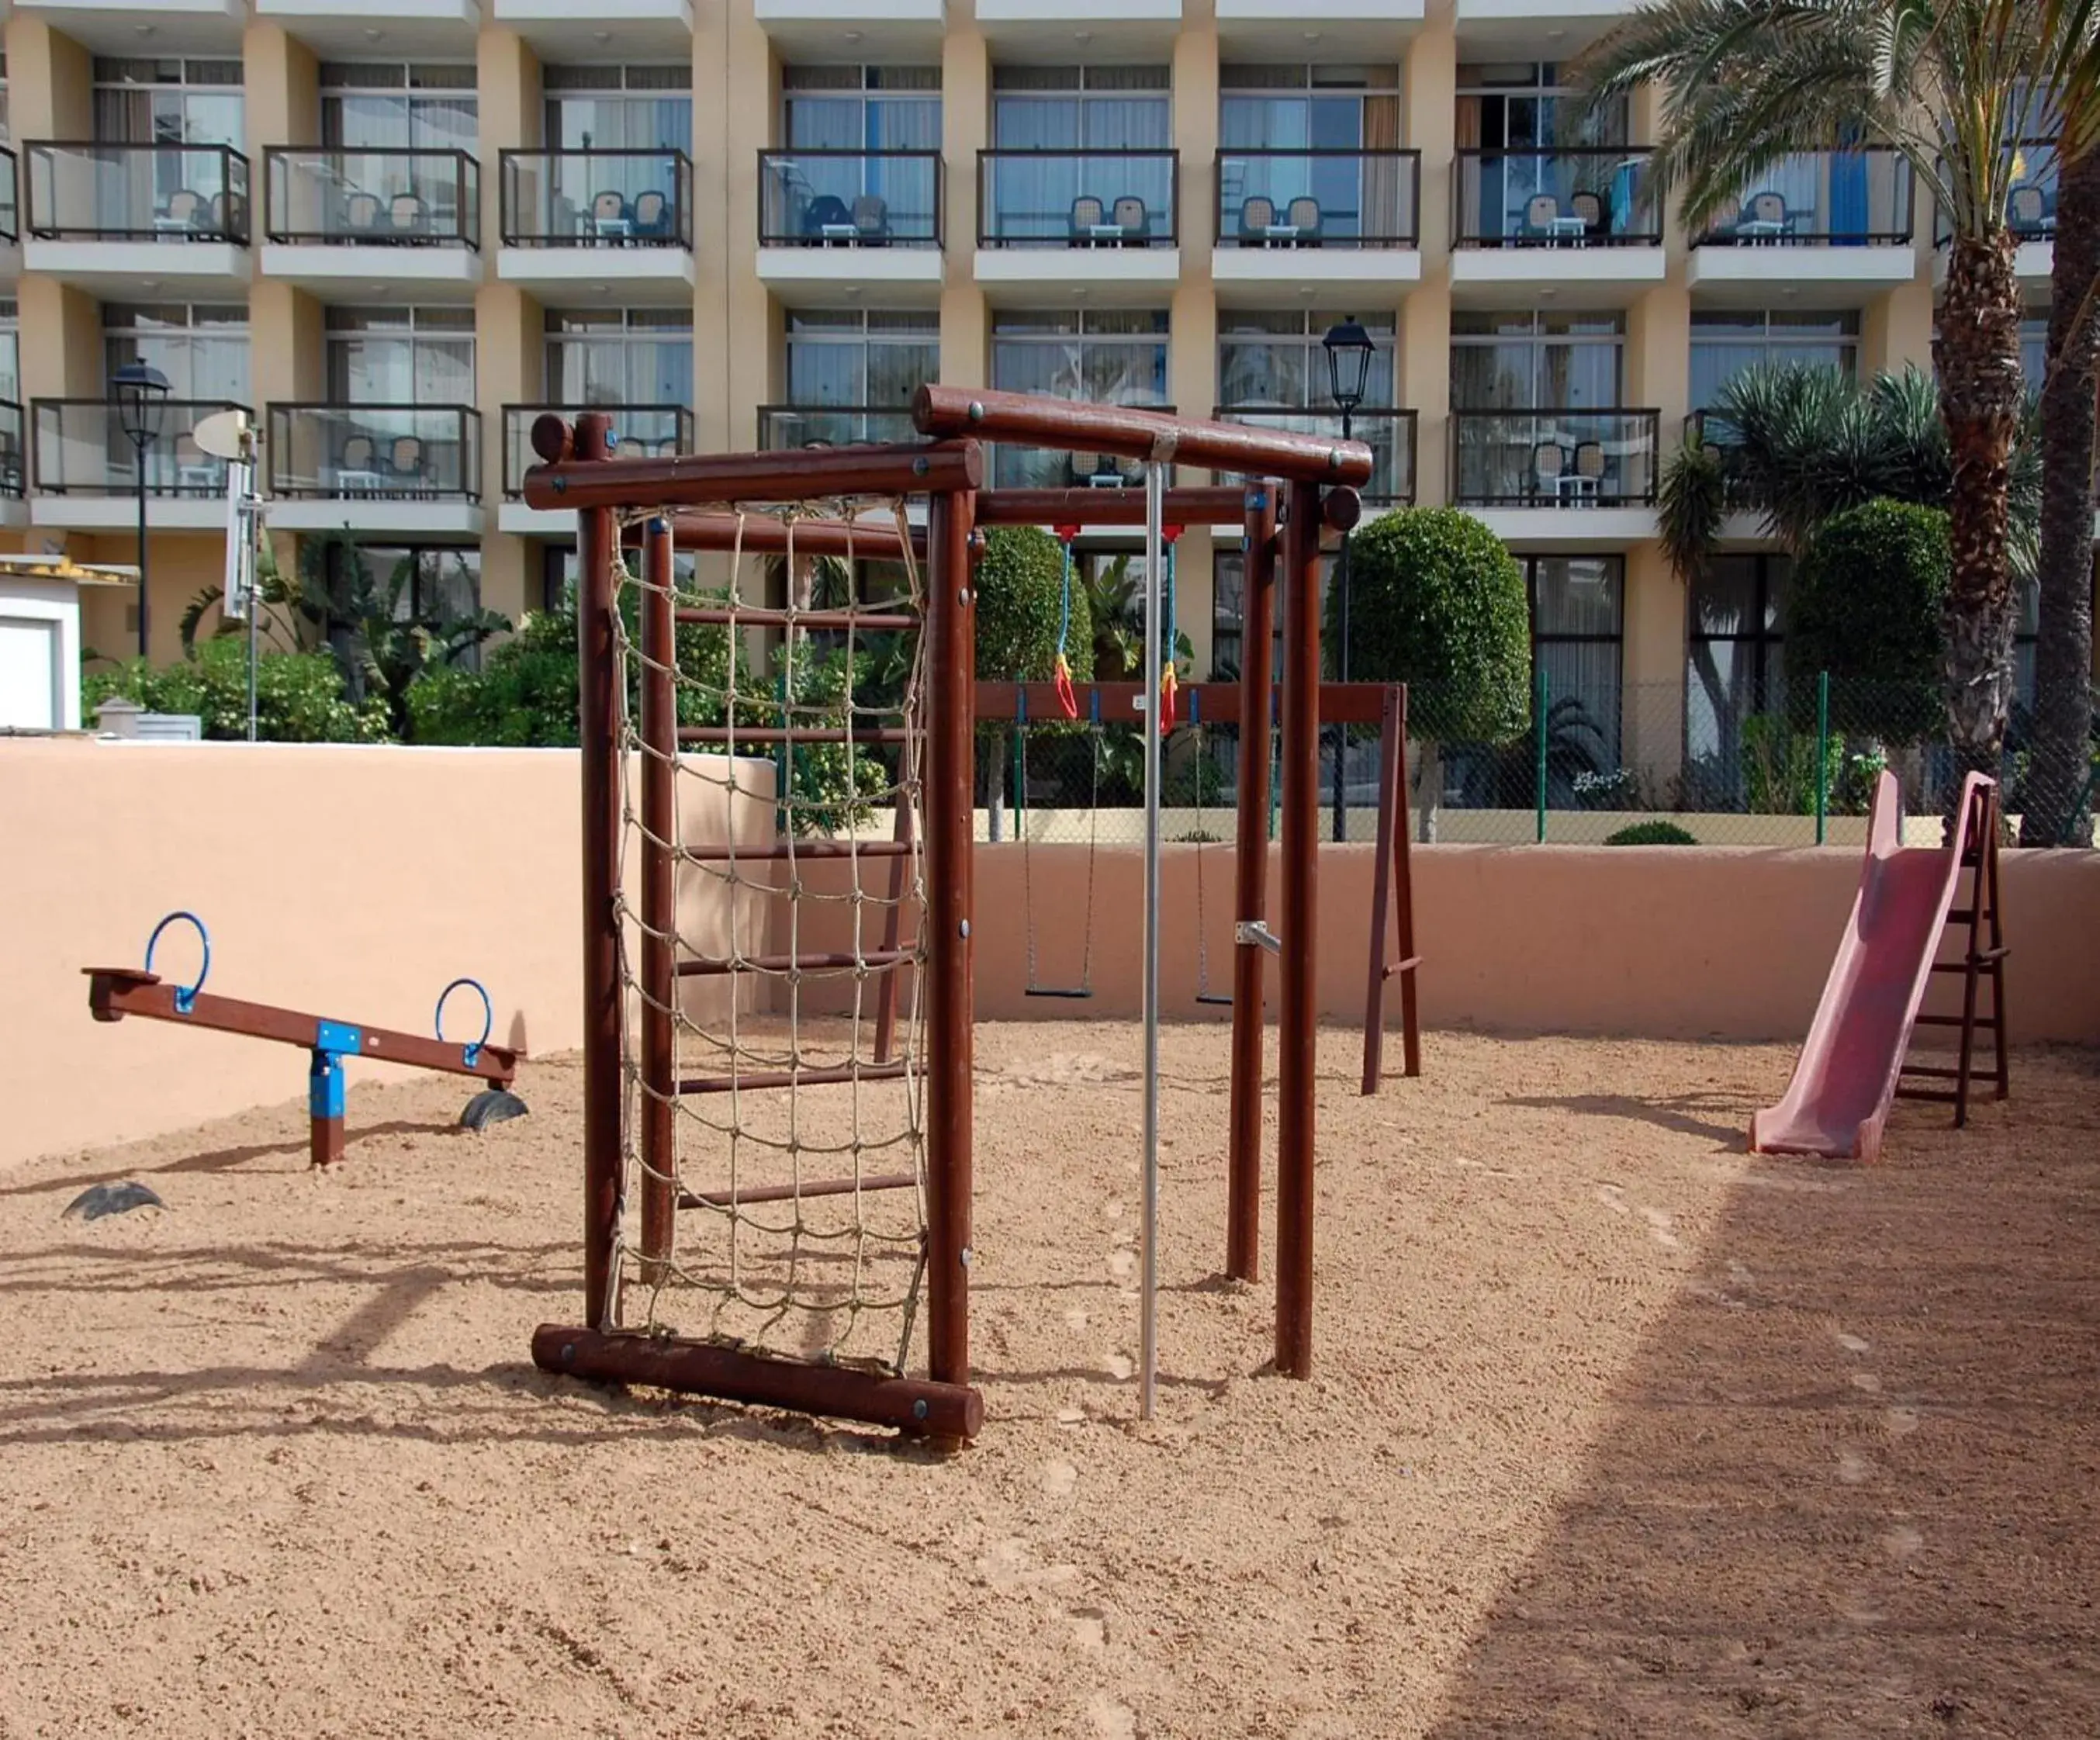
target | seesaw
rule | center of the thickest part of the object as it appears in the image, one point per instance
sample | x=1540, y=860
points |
x=114, y=992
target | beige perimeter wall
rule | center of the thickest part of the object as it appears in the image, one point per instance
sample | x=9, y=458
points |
x=353, y=882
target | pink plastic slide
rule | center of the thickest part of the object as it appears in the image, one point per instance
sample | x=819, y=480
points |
x=1839, y=1098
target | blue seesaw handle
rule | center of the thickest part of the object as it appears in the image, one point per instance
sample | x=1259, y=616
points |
x=469, y=1052
x=185, y=998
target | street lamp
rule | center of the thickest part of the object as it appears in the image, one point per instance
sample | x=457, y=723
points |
x=140, y=395
x=1348, y=347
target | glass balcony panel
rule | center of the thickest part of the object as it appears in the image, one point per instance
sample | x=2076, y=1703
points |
x=867, y=199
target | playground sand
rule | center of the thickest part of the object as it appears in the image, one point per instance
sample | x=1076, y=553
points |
x=1615, y=1431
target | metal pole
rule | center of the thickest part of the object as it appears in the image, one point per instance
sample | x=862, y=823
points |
x=1342, y=671
x=1254, y=824
x=1538, y=749
x=139, y=450
x=950, y=724
x=598, y=683
x=1155, y=484
x=1822, y=752
x=1297, y=1037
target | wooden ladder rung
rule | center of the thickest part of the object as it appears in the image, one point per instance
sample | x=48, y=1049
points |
x=811, y=849
x=872, y=959
x=1933, y=1071
x=1408, y=965
x=820, y=1078
x=789, y=1193
x=1955, y=1021
x=1982, y=960
x=1939, y=1095
x=791, y=735
x=867, y=621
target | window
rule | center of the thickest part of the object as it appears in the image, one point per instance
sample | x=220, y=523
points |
x=1308, y=108
x=168, y=102
x=1081, y=108
x=1735, y=668
x=1529, y=106
x=400, y=355
x=6, y=132
x=1578, y=626
x=558, y=574
x=2034, y=349
x=615, y=356
x=1117, y=356
x=1229, y=615
x=1536, y=361
x=10, y=351
x=386, y=106
x=202, y=349
x=619, y=108
x=860, y=357
x=860, y=109
x=444, y=580
x=1724, y=344
x=1279, y=360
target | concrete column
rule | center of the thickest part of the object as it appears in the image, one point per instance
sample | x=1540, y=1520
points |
x=1191, y=344
x=965, y=131
x=1895, y=330
x=51, y=83
x=281, y=95
x=1429, y=78
x=752, y=102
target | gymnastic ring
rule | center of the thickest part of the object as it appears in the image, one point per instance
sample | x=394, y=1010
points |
x=185, y=998
x=468, y=1054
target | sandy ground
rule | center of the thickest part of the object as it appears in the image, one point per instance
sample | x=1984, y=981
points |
x=1615, y=1431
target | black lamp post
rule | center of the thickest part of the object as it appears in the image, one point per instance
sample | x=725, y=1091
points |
x=141, y=395
x=1348, y=348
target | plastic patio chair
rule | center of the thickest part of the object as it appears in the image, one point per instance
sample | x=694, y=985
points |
x=1542, y=211
x=2028, y=211
x=1588, y=482
x=1765, y=217
x=826, y=218
x=1302, y=214
x=1257, y=218
x=650, y=214
x=1134, y=219
x=361, y=213
x=406, y=215
x=185, y=209
x=1087, y=214
x=1589, y=206
x=610, y=219
x=357, y=463
x=870, y=219
x=1549, y=466
x=404, y=458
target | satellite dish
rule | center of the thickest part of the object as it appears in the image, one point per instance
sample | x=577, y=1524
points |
x=224, y=434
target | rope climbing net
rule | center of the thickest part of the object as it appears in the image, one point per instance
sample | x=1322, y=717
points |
x=771, y=892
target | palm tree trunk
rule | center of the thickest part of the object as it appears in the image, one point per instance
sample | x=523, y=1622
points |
x=2051, y=811
x=1980, y=392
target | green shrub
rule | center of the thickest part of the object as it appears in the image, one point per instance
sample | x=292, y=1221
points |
x=1650, y=833
x=1864, y=605
x=299, y=695
x=1020, y=582
x=523, y=696
x=1779, y=766
x=1437, y=602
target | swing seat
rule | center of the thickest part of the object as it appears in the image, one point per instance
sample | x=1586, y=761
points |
x=1222, y=999
x=1053, y=990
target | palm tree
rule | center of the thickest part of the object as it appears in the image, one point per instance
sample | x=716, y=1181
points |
x=1947, y=84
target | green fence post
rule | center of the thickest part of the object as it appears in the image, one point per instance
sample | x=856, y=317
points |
x=1538, y=737
x=1822, y=754
x=1020, y=777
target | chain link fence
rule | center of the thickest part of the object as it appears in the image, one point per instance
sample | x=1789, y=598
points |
x=1778, y=762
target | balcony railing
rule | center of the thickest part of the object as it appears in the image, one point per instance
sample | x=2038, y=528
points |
x=2030, y=204
x=1389, y=435
x=1547, y=458
x=1033, y=468
x=597, y=199
x=1711, y=429
x=103, y=192
x=639, y=431
x=849, y=199
x=405, y=452
x=1319, y=199
x=1841, y=198
x=10, y=449
x=1079, y=199
x=1590, y=196
x=80, y=449
x=11, y=228
x=420, y=199
x=785, y=425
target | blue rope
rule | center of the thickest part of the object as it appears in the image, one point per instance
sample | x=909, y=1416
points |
x=1065, y=600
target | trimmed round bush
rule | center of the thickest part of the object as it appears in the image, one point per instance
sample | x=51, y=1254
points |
x=1436, y=601
x=1650, y=833
x=1020, y=583
x=1866, y=605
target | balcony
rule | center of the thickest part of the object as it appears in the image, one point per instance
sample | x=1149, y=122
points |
x=1583, y=218
x=851, y=220
x=1299, y=217
x=786, y=426
x=2030, y=215
x=1843, y=217
x=1389, y=434
x=1034, y=468
x=1498, y=29
x=1102, y=221
x=12, y=512
x=638, y=430
x=84, y=469
x=607, y=224
x=1582, y=478
x=102, y=217
x=11, y=227
x=401, y=470
x=335, y=219
x=339, y=28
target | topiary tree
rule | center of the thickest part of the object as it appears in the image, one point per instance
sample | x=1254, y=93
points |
x=1020, y=603
x=1437, y=602
x=1656, y=833
x=1866, y=605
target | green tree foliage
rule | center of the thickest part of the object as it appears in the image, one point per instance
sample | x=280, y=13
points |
x=1437, y=602
x=1866, y=605
x=1020, y=582
x=299, y=696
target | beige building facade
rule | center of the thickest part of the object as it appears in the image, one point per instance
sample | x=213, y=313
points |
x=392, y=230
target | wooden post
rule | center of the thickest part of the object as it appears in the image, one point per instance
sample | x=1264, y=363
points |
x=1298, y=1034
x=951, y=720
x=1410, y=1014
x=597, y=680
x=660, y=904
x=1250, y=895
x=1392, y=883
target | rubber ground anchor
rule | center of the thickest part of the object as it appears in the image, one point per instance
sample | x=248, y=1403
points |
x=491, y=1105
x=99, y=1200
